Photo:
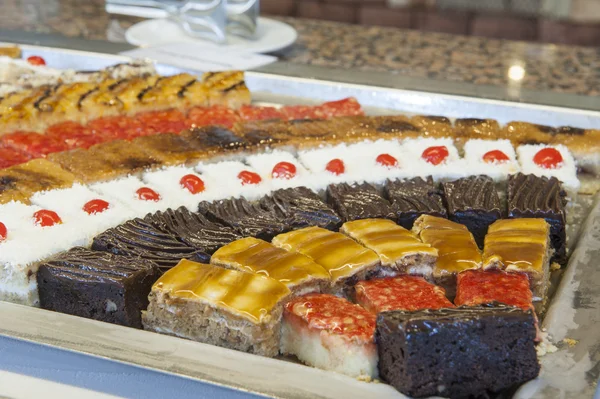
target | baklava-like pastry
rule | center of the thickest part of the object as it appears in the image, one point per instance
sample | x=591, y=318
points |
x=398, y=248
x=413, y=198
x=477, y=128
x=169, y=148
x=227, y=308
x=433, y=126
x=97, y=285
x=298, y=272
x=520, y=246
x=346, y=261
x=457, y=249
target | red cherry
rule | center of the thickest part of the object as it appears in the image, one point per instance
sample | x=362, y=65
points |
x=284, y=170
x=36, y=60
x=3, y=232
x=46, y=218
x=95, y=206
x=548, y=158
x=495, y=156
x=435, y=155
x=387, y=160
x=193, y=183
x=147, y=194
x=248, y=177
x=336, y=166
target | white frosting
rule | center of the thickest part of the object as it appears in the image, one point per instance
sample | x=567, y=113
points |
x=452, y=168
x=224, y=181
x=566, y=172
x=474, y=151
x=264, y=163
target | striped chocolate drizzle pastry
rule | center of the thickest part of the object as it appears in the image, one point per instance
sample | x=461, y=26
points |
x=416, y=194
x=475, y=192
x=533, y=193
x=359, y=201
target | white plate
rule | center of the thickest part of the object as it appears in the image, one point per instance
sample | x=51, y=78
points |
x=271, y=35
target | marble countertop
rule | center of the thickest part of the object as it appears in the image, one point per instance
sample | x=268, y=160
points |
x=413, y=54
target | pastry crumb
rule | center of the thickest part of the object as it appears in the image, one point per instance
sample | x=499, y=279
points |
x=545, y=346
x=570, y=341
x=365, y=378
x=554, y=266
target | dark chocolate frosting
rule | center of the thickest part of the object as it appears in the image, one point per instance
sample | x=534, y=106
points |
x=359, y=201
x=414, y=195
x=248, y=219
x=139, y=238
x=534, y=193
x=300, y=207
x=474, y=192
x=193, y=229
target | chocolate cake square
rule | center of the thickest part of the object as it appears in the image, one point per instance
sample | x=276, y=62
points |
x=97, y=285
x=139, y=238
x=531, y=196
x=413, y=198
x=247, y=218
x=358, y=201
x=300, y=207
x=193, y=229
x=474, y=202
x=457, y=352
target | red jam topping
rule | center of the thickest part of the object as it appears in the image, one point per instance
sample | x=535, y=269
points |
x=248, y=177
x=435, y=155
x=46, y=218
x=548, y=158
x=147, y=194
x=387, y=160
x=3, y=232
x=495, y=156
x=96, y=206
x=284, y=170
x=193, y=183
x=336, y=166
x=36, y=60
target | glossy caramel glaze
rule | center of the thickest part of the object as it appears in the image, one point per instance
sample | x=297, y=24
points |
x=457, y=250
x=390, y=241
x=246, y=295
x=258, y=256
x=519, y=245
x=341, y=256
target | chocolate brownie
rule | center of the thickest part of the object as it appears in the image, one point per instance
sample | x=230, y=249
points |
x=530, y=196
x=457, y=352
x=358, y=201
x=474, y=202
x=97, y=285
x=413, y=198
x=301, y=207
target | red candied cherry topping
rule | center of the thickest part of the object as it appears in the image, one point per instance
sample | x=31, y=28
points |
x=3, y=232
x=96, y=206
x=147, y=194
x=495, y=156
x=248, y=177
x=46, y=218
x=435, y=155
x=36, y=60
x=193, y=183
x=336, y=166
x=284, y=170
x=548, y=158
x=387, y=160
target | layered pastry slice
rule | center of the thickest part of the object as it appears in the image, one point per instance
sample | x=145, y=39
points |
x=477, y=128
x=215, y=141
x=346, y=261
x=298, y=272
x=139, y=238
x=246, y=218
x=478, y=287
x=433, y=126
x=493, y=158
x=474, y=202
x=301, y=207
x=398, y=248
x=457, y=249
x=182, y=186
x=413, y=198
x=97, y=285
x=227, y=308
x=235, y=179
x=20, y=182
x=194, y=229
x=436, y=157
x=583, y=144
x=530, y=196
x=550, y=161
x=427, y=352
x=395, y=127
x=358, y=201
x=330, y=333
x=407, y=293
x=520, y=246
x=170, y=149
x=281, y=169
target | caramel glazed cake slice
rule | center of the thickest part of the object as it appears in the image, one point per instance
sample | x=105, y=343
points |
x=227, y=308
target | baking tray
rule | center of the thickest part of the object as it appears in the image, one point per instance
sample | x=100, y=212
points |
x=573, y=311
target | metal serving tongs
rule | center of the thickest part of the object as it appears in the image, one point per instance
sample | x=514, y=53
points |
x=206, y=19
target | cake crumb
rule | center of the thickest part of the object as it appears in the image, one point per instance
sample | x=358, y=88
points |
x=570, y=341
x=545, y=346
x=554, y=266
x=364, y=378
